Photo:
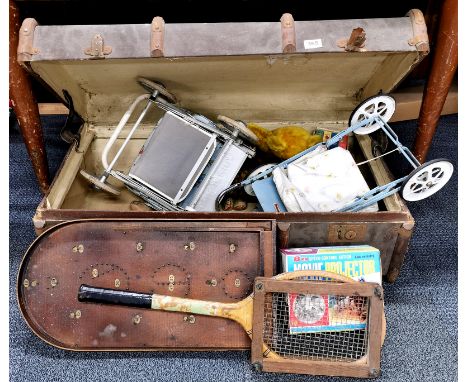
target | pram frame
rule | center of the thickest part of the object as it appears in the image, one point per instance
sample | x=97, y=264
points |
x=362, y=201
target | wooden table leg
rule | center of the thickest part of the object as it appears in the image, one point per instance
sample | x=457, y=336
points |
x=25, y=106
x=443, y=69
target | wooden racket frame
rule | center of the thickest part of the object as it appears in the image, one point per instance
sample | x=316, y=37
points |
x=366, y=367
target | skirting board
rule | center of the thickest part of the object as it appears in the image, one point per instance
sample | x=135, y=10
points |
x=409, y=102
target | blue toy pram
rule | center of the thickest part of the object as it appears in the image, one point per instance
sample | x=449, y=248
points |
x=372, y=114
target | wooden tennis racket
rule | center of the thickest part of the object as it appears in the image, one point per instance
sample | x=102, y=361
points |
x=278, y=343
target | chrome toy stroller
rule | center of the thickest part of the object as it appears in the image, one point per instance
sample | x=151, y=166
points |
x=186, y=161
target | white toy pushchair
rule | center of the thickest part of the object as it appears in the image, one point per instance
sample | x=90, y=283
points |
x=186, y=161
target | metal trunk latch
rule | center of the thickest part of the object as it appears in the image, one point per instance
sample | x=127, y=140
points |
x=98, y=49
x=355, y=42
x=346, y=233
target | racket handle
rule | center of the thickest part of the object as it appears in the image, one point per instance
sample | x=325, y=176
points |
x=88, y=293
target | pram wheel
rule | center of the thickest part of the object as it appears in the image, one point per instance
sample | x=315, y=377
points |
x=381, y=105
x=239, y=127
x=427, y=179
x=151, y=86
x=100, y=185
x=248, y=187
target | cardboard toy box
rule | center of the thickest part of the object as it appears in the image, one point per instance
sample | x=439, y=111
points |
x=359, y=262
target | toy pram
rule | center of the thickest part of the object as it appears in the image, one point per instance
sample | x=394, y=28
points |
x=371, y=115
x=186, y=161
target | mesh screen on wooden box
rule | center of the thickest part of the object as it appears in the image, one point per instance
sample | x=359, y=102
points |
x=319, y=327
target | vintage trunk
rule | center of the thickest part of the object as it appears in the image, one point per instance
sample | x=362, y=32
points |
x=308, y=73
x=208, y=260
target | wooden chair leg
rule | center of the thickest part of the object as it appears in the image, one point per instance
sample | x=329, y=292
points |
x=443, y=69
x=25, y=106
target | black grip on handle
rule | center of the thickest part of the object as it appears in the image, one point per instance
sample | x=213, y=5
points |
x=88, y=293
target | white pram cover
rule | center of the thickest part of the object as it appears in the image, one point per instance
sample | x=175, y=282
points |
x=321, y=181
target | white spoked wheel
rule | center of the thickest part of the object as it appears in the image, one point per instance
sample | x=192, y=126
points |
x=238, y=126
x=427, y=179
x=100, y=185
x=151, y=86
x=205, y=120
x=248, y=188
x=381, y=105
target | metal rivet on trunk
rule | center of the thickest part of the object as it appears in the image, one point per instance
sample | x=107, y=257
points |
x=76, y=314
x=232, y=248
x=190, y=246
x=95, y=272
x=53, y=282
x=136, y=319
x=78, y=248
x=190, y=319
x=139, y=247
x=26, y=283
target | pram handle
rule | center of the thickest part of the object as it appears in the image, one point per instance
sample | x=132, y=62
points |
x=118, y=129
